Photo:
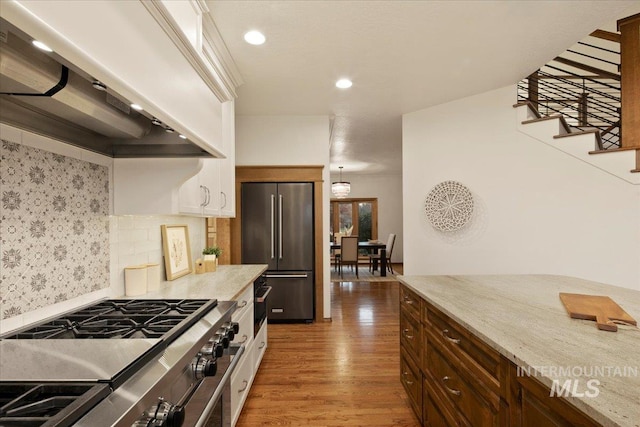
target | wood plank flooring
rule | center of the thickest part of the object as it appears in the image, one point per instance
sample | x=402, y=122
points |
x=345, y=372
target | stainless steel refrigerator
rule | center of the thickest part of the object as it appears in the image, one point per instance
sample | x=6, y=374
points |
x=277, y=229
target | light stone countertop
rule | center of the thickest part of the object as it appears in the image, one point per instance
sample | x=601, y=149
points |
x=227, y=283
x=522, y=317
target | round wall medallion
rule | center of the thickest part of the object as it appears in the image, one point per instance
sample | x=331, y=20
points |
x=449, y=206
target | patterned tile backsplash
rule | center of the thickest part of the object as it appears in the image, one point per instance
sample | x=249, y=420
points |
x=55, y=228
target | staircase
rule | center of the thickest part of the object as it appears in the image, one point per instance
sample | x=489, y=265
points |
x=573, y=103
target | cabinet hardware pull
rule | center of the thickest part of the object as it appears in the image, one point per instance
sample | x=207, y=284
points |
x=244, y=340
x=243, y=303
x=204, y=202
x=404, y=374
x=450, y=390
x=245, y=384
x=453, y=340
x=224, y=204
x=262, y=344
x=408, y=300
x=404, y=332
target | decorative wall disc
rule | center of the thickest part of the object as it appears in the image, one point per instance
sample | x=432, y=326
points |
x=449, y=206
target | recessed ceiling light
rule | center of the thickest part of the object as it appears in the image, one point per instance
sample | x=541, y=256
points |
x=136, y=107
x=254, y=37
x=41, y=46
x=182, y=136
x=344, y=83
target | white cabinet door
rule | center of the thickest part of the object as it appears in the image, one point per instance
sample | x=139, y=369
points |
x=191, y=196
x=259, y=346
x=200, y=194
x=241, y=380
x=228, y=165
x=210, y=183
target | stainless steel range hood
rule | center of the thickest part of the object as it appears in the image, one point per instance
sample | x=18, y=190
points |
x=44, y=94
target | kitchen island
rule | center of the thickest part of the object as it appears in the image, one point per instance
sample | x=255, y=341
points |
x=513, y=344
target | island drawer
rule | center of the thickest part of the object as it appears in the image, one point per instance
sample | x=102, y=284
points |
x=412, y=381
x=410, y=335
x=410, y=301
x=476, y=356
x=474, y=403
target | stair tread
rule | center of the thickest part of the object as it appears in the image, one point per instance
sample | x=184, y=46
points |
x=531, y=106
x=580, y=132
x=564, y=123
x=614, y=150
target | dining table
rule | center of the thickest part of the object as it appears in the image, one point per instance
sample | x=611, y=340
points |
x=371, y=246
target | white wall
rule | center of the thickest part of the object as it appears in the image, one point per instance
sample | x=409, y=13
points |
x=388, y=190
x=289, y=140
x=537, y=210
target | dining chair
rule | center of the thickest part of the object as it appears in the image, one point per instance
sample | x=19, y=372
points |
x=337, y=237
x=349, y=253
x=374, y=258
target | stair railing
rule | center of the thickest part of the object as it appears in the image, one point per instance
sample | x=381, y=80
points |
x=587, y=102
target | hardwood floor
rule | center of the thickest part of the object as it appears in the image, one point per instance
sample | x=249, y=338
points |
x=345, y=372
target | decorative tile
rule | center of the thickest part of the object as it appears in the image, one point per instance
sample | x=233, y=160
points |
x=55, y=228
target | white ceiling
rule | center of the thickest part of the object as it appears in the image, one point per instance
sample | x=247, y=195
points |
x=402, y=56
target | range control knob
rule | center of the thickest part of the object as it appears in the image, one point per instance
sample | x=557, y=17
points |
x=213, y=349
x=231, y=329
x=204, y=367
x=222, y=337
x=162, y=414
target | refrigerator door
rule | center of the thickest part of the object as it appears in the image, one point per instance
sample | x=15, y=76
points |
x=259, y=234
x=291, y=296
x=294, y=228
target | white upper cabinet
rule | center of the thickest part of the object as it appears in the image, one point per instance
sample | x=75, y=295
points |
x=201, y=187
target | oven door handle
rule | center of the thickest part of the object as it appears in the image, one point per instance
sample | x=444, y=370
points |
x=264, y=296
x=219, y=390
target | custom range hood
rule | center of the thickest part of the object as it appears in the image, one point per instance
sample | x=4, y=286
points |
x=43, y=93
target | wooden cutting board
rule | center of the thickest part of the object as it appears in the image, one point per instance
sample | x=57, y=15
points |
x=602, y=309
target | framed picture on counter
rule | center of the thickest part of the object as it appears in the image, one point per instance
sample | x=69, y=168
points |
x=177, y=250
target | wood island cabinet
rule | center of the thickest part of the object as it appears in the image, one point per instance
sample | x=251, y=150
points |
x=453, y=378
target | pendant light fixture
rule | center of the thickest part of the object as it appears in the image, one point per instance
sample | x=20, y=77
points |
x=341, y=189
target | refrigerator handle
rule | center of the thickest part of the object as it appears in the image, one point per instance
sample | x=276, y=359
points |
x=280, y=225
x=273, y=225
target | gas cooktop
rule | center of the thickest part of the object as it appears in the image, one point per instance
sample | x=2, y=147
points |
x=122, y=319
x=102, y=342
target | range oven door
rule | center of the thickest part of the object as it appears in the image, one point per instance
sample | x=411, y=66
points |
x=210, y=403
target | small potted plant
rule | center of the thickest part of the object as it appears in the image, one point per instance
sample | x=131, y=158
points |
x=211, y=253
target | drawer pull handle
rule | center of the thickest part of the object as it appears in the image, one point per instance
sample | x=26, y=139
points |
x=450, y=390
x=243, y=303
x=408, y=300
x=405, y=373
x=262, y=344
x=453, y=340
x=244, y=340
x=405, y=332
x=245, y=384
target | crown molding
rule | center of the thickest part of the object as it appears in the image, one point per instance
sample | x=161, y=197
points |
x=211, y=69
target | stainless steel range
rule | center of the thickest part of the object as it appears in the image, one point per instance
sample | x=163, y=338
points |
x=156, y=363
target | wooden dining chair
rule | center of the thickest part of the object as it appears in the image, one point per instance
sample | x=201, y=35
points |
x=349, y=253
x=335, y=253
x=375, y=258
